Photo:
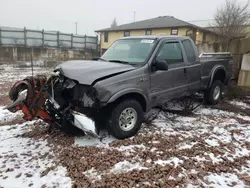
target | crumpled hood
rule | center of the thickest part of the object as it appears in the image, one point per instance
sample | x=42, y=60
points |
x=86, y=72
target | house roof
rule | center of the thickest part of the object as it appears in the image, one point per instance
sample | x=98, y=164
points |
x=159, y=22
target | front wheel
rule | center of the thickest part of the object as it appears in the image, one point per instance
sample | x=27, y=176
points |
x=214, y=93
x=126, y=118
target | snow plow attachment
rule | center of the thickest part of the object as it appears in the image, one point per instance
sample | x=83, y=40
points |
x=34, y=96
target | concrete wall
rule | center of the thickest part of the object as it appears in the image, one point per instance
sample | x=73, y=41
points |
x=246, y=62
x=15, y=54
x=244, y=75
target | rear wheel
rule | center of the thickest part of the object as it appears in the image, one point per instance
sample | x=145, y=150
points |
x=214, y=93
x=126, y=118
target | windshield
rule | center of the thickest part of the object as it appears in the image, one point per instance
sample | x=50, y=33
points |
x=133, y=51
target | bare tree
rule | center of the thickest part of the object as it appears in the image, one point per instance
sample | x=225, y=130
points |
x=231, y=20
x=114, y=23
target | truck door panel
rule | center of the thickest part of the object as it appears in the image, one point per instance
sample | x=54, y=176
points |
x=166, y=85
x=193, y=67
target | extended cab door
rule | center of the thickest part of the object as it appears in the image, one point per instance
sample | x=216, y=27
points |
x=193, y=66
x=166, y=85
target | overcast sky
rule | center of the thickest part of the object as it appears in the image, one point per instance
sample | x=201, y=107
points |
x=98, y=14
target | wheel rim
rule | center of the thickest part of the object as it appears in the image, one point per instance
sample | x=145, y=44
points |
x=216, y=93
x=128, y=119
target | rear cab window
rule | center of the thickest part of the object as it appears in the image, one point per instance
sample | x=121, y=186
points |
x=189, y=49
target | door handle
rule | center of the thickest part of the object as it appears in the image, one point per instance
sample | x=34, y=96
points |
x=185, y=70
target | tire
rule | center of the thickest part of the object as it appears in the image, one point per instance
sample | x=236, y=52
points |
x=210, y=97
x=120, y=127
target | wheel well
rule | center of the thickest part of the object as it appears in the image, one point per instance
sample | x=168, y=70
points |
x=135, y=96
x=220, y=75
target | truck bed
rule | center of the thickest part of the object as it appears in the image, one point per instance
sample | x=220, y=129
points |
x=211, y=61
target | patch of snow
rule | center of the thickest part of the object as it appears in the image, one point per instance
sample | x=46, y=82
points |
x=173, y=160
x=187, y=145
x=240, y=152
x=213, y=112
x=199, y=159
x=126, y=166
x=214, y=159
x=246, y=118
x=212, y=142
x=219, y=130
x=224, y=180
x=185, y=119
x=131, y=147
x=92, y=174
x=245, y=169
x=88, y=140
x=27, y=156
x=6, y=115
x=239, y=104
x=153, y=149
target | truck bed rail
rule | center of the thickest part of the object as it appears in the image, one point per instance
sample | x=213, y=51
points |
x=215, y=54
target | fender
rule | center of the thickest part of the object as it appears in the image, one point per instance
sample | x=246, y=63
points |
x=128, y=91
x=213, y=71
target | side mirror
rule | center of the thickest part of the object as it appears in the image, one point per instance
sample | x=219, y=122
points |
x=161, y=65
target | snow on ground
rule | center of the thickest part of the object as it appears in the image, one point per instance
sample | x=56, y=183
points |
x=13, y=74
x=22, y=159
x=6, y=116
x=240, y=104
x=95, y=141
x=225, y=180
x=209, y=148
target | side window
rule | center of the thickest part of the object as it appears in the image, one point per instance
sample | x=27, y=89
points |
x=126, y=33
x=171, y=52
x=106, y=36
x=174, y=31
x=148, y=32
x=189, y=49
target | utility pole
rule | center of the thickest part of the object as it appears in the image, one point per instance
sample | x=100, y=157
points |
x=134, y=15
x=76, y=28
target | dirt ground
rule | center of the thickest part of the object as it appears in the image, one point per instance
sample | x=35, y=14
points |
x=208, y=148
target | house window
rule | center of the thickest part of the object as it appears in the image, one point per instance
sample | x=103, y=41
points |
x=126, y=33
x=106, y=36
x=174, y=31
x=148, y=32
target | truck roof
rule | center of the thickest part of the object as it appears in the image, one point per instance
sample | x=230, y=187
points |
x=157, y=37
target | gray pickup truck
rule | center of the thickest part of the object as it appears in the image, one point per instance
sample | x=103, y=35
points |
x=134, y=75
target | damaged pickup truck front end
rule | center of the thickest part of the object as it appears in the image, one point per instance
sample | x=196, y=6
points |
x=67, y=98
x=134, y=75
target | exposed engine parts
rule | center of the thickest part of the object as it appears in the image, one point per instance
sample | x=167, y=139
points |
x=54, y=100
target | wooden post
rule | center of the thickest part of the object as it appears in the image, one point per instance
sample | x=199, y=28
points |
x=25, y=36
x=58, y=39
x=85, y=42
x=25, y=42
x=31, y=61
x=0, y=37
x=71, y=40
x=43, y=38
